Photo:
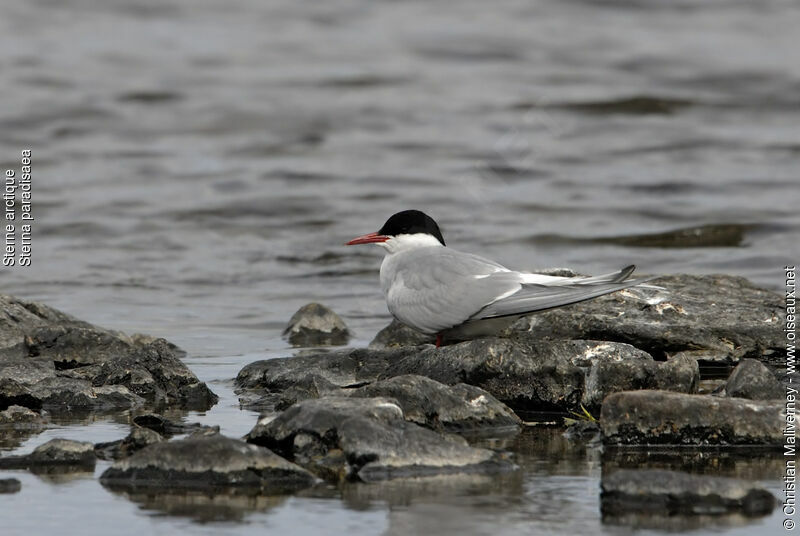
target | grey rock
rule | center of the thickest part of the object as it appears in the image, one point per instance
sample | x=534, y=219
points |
x=660, y=417
x=460, y=408
x=528, y=377
x=138, y=439
x=680, y=374
x=54, y=452
x=582, y=430
x=20, y=418
x=673, y=492
x=398, y=334
x=206, y=463
x=52, y=360
x=10, y=485
x=752, y=379
x=316, y=325
x=369, y=440
x=341, y=368
x=716, y=317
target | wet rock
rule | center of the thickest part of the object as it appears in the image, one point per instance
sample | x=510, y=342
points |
x=398, y=334
x=10, y=485
x=206, y=463
x=460, y=408
x=316, y=325
x=673, y=492
x=716, y=317
x=341, y=368
x=312, y=386
x=582, y=430
x=18, y=417
x=525, y=377
x=167, y=428
x=368, y=439
x=55, y=452
x=606, y=376
x=752, y=379
x=138, y=439
x=52, y=360
x=660, y=417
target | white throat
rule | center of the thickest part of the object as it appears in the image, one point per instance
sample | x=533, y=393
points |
x=405, y=242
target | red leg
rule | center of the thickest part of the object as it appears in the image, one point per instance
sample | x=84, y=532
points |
x=438, y=340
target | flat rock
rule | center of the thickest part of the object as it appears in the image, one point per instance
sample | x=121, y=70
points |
x=666, y=418
x=138, y=439
x=168, y=428
x=528, y=377
x=752, y=379
x=368, y=439
x=606, y=376
x=715, y=317
x=316, y=325
x=673, y=492
x=460, y=408
x=206, y=463
x=398, y=334
x=54, y=452
x=10, y=485
x=49, y=359
x=341, y=368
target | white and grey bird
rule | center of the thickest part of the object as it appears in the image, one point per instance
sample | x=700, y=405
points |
x=438, y=290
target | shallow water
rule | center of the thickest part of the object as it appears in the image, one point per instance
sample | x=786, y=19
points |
x=197, y=166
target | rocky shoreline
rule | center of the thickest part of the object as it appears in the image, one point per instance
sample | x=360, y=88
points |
x=625, y=370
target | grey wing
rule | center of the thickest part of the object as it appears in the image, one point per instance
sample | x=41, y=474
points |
x=438, y=288
x=533, y=297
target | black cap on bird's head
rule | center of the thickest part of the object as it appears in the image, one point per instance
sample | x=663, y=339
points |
x=405, y=222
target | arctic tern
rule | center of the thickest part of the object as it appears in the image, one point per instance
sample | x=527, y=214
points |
x=456, y=296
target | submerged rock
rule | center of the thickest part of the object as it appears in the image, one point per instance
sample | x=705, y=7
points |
x=673, y=492
x=316, y=325
x=665, y=418
x=138, y=439
x=460, y=408
x=63, y=452
x=368, y=439
x=51, y=360
x=715, y=317
x=679, y=374
x=168, y=428
x=10, y=485
x=752, y=379
x=206, y=463
x=20, y=418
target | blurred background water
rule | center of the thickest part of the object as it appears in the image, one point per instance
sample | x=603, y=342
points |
x=198, y=164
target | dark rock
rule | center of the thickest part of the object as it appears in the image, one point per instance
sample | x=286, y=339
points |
x=10, y=485
x=673, y=492
x=311, y=386
x=582, y=430
x=525, y=377
x=660, y=417
x=679, y=374
x=54, y=452
x=716, y=317
x=368, y=439
x=207, y=463
x=341, y=368
x=52, y=360
x=752, y=379
x=316, y=325
x=138, y=439
x=398, y=334
x=460, y=408
x=167, y=428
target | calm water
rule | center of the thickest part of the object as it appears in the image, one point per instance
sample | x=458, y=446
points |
x=198, y=164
